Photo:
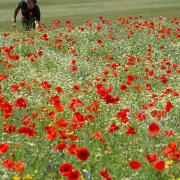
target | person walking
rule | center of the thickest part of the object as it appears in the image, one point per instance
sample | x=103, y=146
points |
x=31, y=14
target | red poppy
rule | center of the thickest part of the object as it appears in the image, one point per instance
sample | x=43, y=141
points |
x=19, y=167
x=65, y=169
x=130, y=130
x=72, y=149
x=59, y=89
x=122, y=114
x=76, y=88
x=8, y=163
x=27, y=131
x=4, y=148
x=99, y=41
x=74, y=175
x=94, y=107
x=6, y=34
x=173, y=145
x=140, y=116
x=168, y=106
x=73, y=69
x=75, y=103
x=59, y=147
x=61, y=123
x=99, y=136
x=163, y=79
x=45, y=85
x=3, y=76
x=105, y=174
x=14, y=88
x=20, y=103
x=50, y=132
x=9, y=129
x=62, y=134
x=59, y=107
x=172, y=151
x=123, y=87
x=111, y=100
x=51, y=115
x=135, y=165
x=153, y=129
x=113, y=127
x=83, y=154
x=169, y=133
x=160, y=114
x=160, y=165
x=152, y=157
x=55, y=100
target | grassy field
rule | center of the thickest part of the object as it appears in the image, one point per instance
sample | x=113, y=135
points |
x=79, y=10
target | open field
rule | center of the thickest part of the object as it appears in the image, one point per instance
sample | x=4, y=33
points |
x=92, y=96
x=79, y=10
x=90, y=102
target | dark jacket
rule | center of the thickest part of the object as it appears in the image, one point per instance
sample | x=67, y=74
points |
x=29, y=15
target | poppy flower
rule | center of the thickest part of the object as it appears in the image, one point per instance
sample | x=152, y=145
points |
x=169, y=133
x=168, y=106
x=3, y=76
x=4, y=148
x=59, y=89
x=73, y=69
x=72, y=149
x=20, y=103
x=9, y=129
x=152, y=157
x=61, y=123
x=19, y=167
x=65, y=169
x=74, y=175
x=171, y=151
x=94, y=107
x=75, y=103
x=105, y=174
x=113, y=127
x=14, y=88
x=27, y=131
x=83, y=154
x=159, y=166
x=51, y=115
x=122, y=114
x=62, y=134
x=111, y=100
x=45, y=85
x=50, y=133
x=173, y=145
x=130, y=130
x=164, y=79
x=99, y=41
x=99, y=136
x=55, y=100
x=6, y=34
x=8, y=163
x=59, y=107
x=123, y=87
x=140, y=116
x=135, y=165
x=153, y=129
x=59, y=147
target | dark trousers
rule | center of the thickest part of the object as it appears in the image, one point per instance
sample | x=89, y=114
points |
x=28, y=24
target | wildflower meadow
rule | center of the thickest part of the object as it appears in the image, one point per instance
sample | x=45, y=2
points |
x=94, y=101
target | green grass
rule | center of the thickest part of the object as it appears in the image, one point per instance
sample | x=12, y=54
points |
x=79, y=10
